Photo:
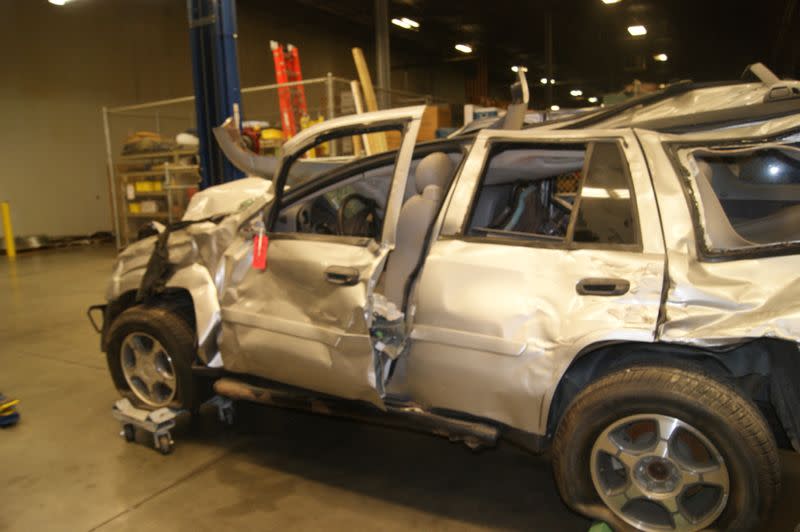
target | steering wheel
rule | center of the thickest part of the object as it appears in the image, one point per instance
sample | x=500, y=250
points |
x=305, y=222
x=364, y=223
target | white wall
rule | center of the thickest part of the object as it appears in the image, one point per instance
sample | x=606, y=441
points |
x=59, y=66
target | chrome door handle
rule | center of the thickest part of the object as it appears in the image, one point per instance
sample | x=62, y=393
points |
x=341, y=275
x=598, y=286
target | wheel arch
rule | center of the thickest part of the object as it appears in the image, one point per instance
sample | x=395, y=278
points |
x=190, y=291
x=763, y=369
x=176, y=299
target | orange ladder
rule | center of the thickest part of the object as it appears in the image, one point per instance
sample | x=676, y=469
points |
x=292, y=98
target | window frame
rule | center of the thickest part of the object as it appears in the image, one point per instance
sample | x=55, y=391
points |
x=349, y=171
x=567, y=243
x=704, y=252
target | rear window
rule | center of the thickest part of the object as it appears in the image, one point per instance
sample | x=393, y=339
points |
x=747, y=196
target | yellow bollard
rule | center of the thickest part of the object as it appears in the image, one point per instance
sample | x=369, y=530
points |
x=8, y=232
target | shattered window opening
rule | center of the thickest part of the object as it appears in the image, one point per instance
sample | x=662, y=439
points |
x=747, y=197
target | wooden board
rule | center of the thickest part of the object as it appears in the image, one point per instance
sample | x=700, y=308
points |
x=377, y=141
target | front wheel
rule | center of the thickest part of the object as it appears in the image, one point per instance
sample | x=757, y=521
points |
x=150, y=354
x=661, y=448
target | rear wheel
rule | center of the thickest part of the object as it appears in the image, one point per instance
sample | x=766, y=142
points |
x=661, y=448
x=150, y=354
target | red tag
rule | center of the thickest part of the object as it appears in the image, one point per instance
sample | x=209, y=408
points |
x=260, y=244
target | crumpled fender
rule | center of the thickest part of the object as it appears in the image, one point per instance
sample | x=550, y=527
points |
x=191, y=276
x=195, y=252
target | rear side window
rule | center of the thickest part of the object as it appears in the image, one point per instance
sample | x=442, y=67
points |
x=605, y=211
x=558, y=194
x=746, y=196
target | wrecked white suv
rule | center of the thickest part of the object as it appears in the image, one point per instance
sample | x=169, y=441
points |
x=621, y=288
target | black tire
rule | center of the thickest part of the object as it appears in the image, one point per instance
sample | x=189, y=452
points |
x=177, y=338
x=727, y=419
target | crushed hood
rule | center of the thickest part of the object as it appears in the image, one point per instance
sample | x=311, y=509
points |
x=228, y=198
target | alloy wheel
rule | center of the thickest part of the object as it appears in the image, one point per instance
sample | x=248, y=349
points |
x=657, y=473
x=148, y=369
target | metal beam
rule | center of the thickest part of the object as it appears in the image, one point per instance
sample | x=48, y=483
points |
x=383, y=68
x=548, y=55
x=212, y=34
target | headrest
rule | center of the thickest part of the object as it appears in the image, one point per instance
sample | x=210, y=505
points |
x=435, y=169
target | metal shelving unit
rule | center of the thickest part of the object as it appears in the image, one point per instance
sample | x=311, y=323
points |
x=154, y=186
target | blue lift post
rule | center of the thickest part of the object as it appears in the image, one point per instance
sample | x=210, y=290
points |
x=212, y=33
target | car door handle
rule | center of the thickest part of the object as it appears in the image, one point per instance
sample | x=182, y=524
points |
x=341, y=275
x=598, y=286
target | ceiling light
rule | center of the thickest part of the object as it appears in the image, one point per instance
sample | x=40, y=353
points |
x=592, y=99
x=413, y=23
x=516, y=68
x=637, y=30
x=576, y=92
x=554, y=108
x=402, y=23
x=543, y=81
x=58, y=2
x=661, y=57
x=552, y=81
x=611, y=1
x=464, y=48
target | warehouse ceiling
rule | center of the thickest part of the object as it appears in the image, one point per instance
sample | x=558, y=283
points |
x=592, y=49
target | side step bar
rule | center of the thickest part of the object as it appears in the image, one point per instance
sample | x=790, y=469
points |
x=405, y=416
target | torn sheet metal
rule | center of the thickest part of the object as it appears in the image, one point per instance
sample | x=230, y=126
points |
x=388, y=329
x=389, y=337
x=721, y=302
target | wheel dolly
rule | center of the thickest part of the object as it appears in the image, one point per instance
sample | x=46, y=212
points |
x=160, y=422
x=156, y=422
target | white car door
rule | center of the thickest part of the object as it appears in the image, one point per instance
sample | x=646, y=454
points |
x=550, y=242
x=304, y=320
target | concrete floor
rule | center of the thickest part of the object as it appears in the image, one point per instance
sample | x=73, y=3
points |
x=64, y=467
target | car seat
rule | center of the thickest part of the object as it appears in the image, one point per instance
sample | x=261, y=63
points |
x=432, y=175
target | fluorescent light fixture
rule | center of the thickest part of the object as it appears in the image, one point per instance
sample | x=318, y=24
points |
x=554, y=108
x=516, y=68
x=592, y=99
x=576, y=92
x=464, y=48
x=661, y=57
x=402, y=23
x=58, y=2
x=611, y=2
x=543, y=81
x=411, y=22
x=637, y=30
x=552, y=81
